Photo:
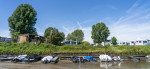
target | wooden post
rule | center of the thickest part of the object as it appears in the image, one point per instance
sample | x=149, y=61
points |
x=104, y=45
x=50, y=42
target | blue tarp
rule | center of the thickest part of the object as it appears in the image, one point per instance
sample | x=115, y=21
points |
x=90, y=58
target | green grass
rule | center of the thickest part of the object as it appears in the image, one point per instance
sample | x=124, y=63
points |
x=117, y=50
x=25, y=48
x=43, y=49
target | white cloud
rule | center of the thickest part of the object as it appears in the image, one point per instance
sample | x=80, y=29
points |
x=5, y=33
x=39, y=30
x=79, y=25
x=135, y=5
x=87, y=34
x=86, y=31
x=112, y=7
x=67, y=30
x=133, y=25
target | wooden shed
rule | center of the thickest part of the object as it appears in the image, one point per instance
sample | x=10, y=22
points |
x=30, y=38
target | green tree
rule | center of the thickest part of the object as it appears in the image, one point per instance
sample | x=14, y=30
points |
x=85, y=43
x=68, y=37
x=114, y=40
x=22, y=21
x=100, y=32
x=76, y=35
x=56, y=37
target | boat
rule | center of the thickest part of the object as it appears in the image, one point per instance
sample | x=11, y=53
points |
x=33, y=58
x=89, y=58
x=6, y=58
x=27, y=58
x=76, y=59
x=50, y=59
x=19, y=58
x=105, y=58
x=117, y=58
x=135, y=59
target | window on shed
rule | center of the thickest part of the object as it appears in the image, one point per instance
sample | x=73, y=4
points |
x=123, y=42
x=144, y=41
x=140, y=41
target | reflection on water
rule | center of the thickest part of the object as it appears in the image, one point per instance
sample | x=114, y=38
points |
x=106, y=65
x=148, y=60
x=63, y=64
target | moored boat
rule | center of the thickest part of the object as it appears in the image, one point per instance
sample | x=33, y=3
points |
x=19, y=58
x=105, y=58
x=50, y=59
x=6, y=58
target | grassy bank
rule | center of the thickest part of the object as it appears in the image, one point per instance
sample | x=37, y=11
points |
x=43, y=49
x=117, y=50
x=25, y=48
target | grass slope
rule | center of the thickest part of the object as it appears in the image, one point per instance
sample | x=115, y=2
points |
x=43, y=49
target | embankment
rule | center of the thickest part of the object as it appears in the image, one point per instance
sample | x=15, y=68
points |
x=44, y=49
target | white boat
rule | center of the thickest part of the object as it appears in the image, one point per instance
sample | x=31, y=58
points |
x=105, y=58
x=117, y=58
x=49, y=59
x=148, y=56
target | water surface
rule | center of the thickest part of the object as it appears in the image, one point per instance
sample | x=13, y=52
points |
x=64, y=64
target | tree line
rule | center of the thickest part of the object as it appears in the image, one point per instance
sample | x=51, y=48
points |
x=23, y=21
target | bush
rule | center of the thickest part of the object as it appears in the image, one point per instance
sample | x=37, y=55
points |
x=85, y=43
x=25, y=48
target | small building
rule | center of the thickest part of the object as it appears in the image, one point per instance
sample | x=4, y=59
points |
x=123, y=43
x=93, y=44
x=70, y=42
x=108, y=42
x=96, y=44
x=30, y=38
x=140, y=42
x=132, y=42
x=5, y=39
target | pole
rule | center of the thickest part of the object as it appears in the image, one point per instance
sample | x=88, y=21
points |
x=76, y=42
x=104, y=45
x=50, y=42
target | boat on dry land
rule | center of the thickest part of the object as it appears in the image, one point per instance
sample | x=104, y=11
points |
x=76, y=59
x=27, y=58
x=6, y=58
x=107, y=58
x=50, y=59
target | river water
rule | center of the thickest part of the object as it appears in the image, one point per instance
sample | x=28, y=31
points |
x=65, y=64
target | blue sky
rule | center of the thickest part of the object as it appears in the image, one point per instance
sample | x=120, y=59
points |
x=126, y=19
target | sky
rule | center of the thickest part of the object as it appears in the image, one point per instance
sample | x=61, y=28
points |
x=126, y=19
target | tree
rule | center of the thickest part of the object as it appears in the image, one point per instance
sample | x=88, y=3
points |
x=76, y=35
x=85, y=43
x=68, y=37
x=114, y=40
x=100, y=32
x=22, y=21
x=56, y=37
